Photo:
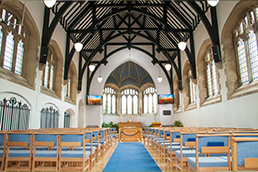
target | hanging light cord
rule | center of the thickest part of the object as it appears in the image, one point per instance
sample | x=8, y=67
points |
x=23, y=13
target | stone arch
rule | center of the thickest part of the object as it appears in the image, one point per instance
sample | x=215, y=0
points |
x=186, y=86
x=58, y=71
x=176, y=93
x=230, y=58
x=72, y=117
x=30, y=56
x=74, y=81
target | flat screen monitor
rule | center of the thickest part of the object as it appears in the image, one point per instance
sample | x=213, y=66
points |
x=94, y=100
x=165, y=99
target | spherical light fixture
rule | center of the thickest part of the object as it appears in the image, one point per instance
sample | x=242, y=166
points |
x=78, y=46
x=213, y=3
x=159, y=79
x=168, y=66
x=182, y=45
x=91, y=67
x=49, y=3
x=99, y=79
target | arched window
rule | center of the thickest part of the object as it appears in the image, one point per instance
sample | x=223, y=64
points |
x=68, y=88
x=109, y=101
x=211, y=73
x=192, y=91
x=49, y=71
x=129, y=99
x=49, y=117
x=13, y=47
x=150, y=100
x=246, y=47
x=66, y=120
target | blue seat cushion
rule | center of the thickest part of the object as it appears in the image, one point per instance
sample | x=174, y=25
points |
x=87, y=148
x=19, y=153
x=175, y=148
x=191, y=140
x=208, y=162
x=168, y=144
x=177, y=136
x=17, y=148
x=74, y=154
x=1, y=153
x=93, y=144
x=46, y=154
x=187, y=153
x=215, y=144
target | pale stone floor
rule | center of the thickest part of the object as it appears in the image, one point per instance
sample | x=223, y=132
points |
x=99, y=166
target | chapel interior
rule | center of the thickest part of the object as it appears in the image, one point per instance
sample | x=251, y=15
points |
x=80, y=80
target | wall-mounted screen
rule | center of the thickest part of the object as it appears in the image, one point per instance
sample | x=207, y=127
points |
x=94, y=100
x=165, y=99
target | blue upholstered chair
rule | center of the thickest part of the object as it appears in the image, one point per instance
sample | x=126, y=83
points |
x=187, y=139
x=2, y=148
x=67, y=158
x=18, y=159
x=216, y=144
x=43, y=151
x=245, y=153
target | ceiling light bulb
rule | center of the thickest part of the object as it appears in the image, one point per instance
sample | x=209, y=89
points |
x=78, y=46
x=182, y=45
x=100, y=79
x=168, y=66
x=159, y=79
x=213, y=3
x=49, y=3
x=91, y=67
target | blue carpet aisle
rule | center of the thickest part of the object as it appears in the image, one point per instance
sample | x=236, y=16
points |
x=131, y=157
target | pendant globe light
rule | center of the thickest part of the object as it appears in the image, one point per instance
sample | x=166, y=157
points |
x=99, y=78
x=78, y=46
x=168, y=66
x=49, y=3
x=213, y=3
x=182, y=45
x=159, y=78
x=91, y=67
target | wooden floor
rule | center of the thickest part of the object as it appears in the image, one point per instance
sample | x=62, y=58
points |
x=99, y=166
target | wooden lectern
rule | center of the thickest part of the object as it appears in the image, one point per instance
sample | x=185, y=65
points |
x=156, y=124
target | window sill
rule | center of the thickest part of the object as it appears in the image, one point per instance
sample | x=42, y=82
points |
x=191, y=106
x=15, y=78
x=179, y=110
x=49, y=92
x=245, y=90
x=110, y=114
x=212, y=100
x=69, y=100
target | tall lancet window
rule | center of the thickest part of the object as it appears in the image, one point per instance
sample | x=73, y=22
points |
x=212, y=81
x=129, y=101
x=246, y=47
x=109, y=101
x=150, y=100
x=12, y=38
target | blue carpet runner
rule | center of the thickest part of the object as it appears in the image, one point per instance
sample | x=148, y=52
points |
x=131, y=157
